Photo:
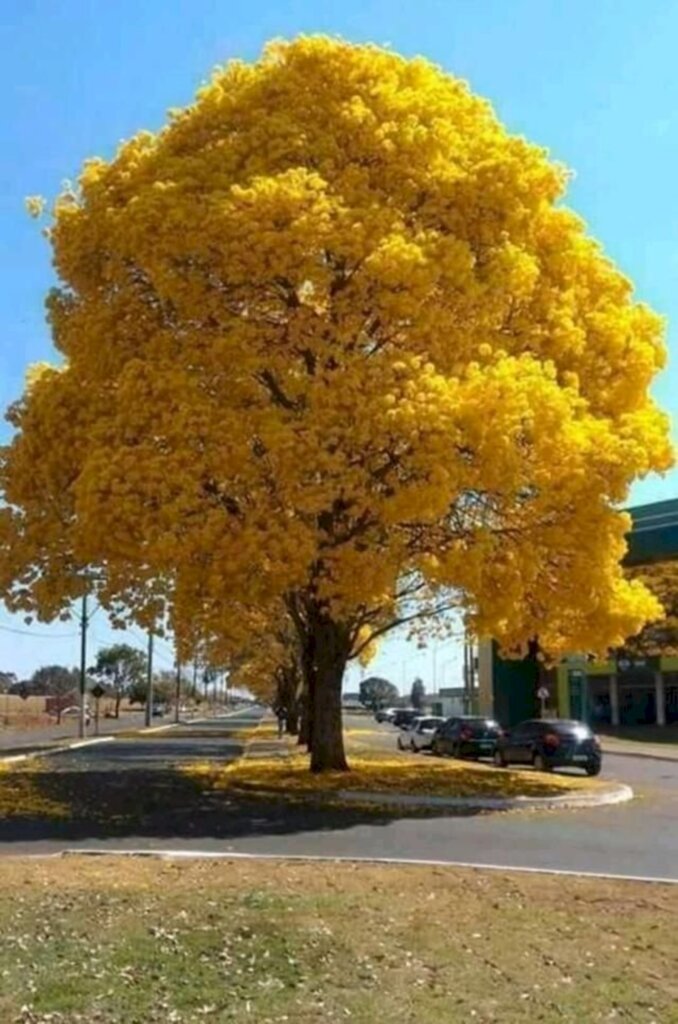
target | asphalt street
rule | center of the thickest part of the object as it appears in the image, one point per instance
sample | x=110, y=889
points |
x=16, y=740
x=638, y=839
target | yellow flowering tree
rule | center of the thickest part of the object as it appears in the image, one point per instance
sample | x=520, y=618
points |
x=661, y=635
x=331, y=338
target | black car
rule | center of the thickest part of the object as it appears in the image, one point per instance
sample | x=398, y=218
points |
x=467, y=736
x=404, y=716
x=550, y=743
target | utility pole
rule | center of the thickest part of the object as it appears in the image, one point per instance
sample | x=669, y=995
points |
x=177, y=699
x=467, y=677
x=149, y=681
x=82, y=721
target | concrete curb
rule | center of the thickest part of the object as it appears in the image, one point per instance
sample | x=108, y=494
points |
x=614, y=795
x=160, y=853
x=618, y=794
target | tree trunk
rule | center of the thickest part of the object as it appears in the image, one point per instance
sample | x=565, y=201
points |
x=308, y=673
x=324, y=651
x=304, y=737
x=118, y=698
x=329, y=645
x=292, y=723
x=327, y=744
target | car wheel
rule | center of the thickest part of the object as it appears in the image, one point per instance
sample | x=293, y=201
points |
x=540, y=763
x=435, y=749
x=593, y=768
x=499, y=759
x=414, y=749
x=400, y=744
x=456, y=750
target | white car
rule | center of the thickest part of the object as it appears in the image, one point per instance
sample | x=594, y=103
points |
x=74, y=712
x=419, y=734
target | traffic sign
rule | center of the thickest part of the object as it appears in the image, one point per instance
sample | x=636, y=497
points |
x=98, y=692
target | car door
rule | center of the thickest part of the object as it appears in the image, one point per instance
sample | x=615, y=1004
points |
x=404, y=737
x=449, y=732
x=515, y=749
x=523, y=745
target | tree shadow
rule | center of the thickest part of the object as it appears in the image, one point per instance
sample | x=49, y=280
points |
x=162, y=803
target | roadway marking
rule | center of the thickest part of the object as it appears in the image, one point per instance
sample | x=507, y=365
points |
x=51, y=751
x=328, y=858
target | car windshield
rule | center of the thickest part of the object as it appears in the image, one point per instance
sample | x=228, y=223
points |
x=430, y=723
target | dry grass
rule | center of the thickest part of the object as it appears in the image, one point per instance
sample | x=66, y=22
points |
x=144, y=942
x=22, y=795
x=375, y=772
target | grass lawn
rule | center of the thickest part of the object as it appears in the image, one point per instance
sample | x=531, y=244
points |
x=140, y=941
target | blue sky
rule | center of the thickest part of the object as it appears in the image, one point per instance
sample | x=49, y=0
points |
x=594, y=82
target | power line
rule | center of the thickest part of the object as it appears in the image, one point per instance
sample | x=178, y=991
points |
x=39, y=636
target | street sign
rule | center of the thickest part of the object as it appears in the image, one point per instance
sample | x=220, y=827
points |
x=543, y=693
x=97, y=692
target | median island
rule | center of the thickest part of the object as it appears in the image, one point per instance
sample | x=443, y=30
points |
x=281, y=767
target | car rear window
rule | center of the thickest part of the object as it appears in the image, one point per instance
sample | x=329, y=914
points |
x=479, y=726
x=568, y=728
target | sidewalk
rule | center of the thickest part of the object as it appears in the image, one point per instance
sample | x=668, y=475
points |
x=637, y=748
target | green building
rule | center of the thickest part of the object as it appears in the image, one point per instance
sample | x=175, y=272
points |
x=641, y=691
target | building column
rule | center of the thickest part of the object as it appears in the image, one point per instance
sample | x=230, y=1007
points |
x=660, y=698
x=614, y=699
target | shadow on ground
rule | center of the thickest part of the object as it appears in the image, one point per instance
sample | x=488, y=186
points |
x=165, y=804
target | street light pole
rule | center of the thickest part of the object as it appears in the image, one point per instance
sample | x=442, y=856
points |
x=178, y=693
x=82, y=721
x=149, y=681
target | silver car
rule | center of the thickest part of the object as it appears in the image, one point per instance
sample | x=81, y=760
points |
x=418, y=735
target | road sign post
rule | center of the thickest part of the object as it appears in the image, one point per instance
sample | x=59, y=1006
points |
x=543, y=695
x=97, y=692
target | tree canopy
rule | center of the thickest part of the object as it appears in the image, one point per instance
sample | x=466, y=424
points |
x=330, y=338
x=417, y=694
x=377, y=693
x=659, y=636
x=122, y=667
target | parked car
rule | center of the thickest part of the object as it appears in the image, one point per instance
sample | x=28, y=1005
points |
x=419, y=734
x=466, y=736
x=74, y=712
x=550, y=743
x=158, y=710
x=385, y=714
x=404, y=717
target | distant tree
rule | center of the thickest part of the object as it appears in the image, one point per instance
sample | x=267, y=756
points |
x=7, y=681
x=376, y=692
x=164, y=686
x=138, y=692
x=121, y=667
x=55, y=681
x=417, y=694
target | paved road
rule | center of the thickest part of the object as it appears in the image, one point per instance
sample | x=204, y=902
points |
x=639, y=839
x=16, y=740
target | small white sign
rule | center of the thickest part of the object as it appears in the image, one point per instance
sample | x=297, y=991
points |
x=543, y=693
